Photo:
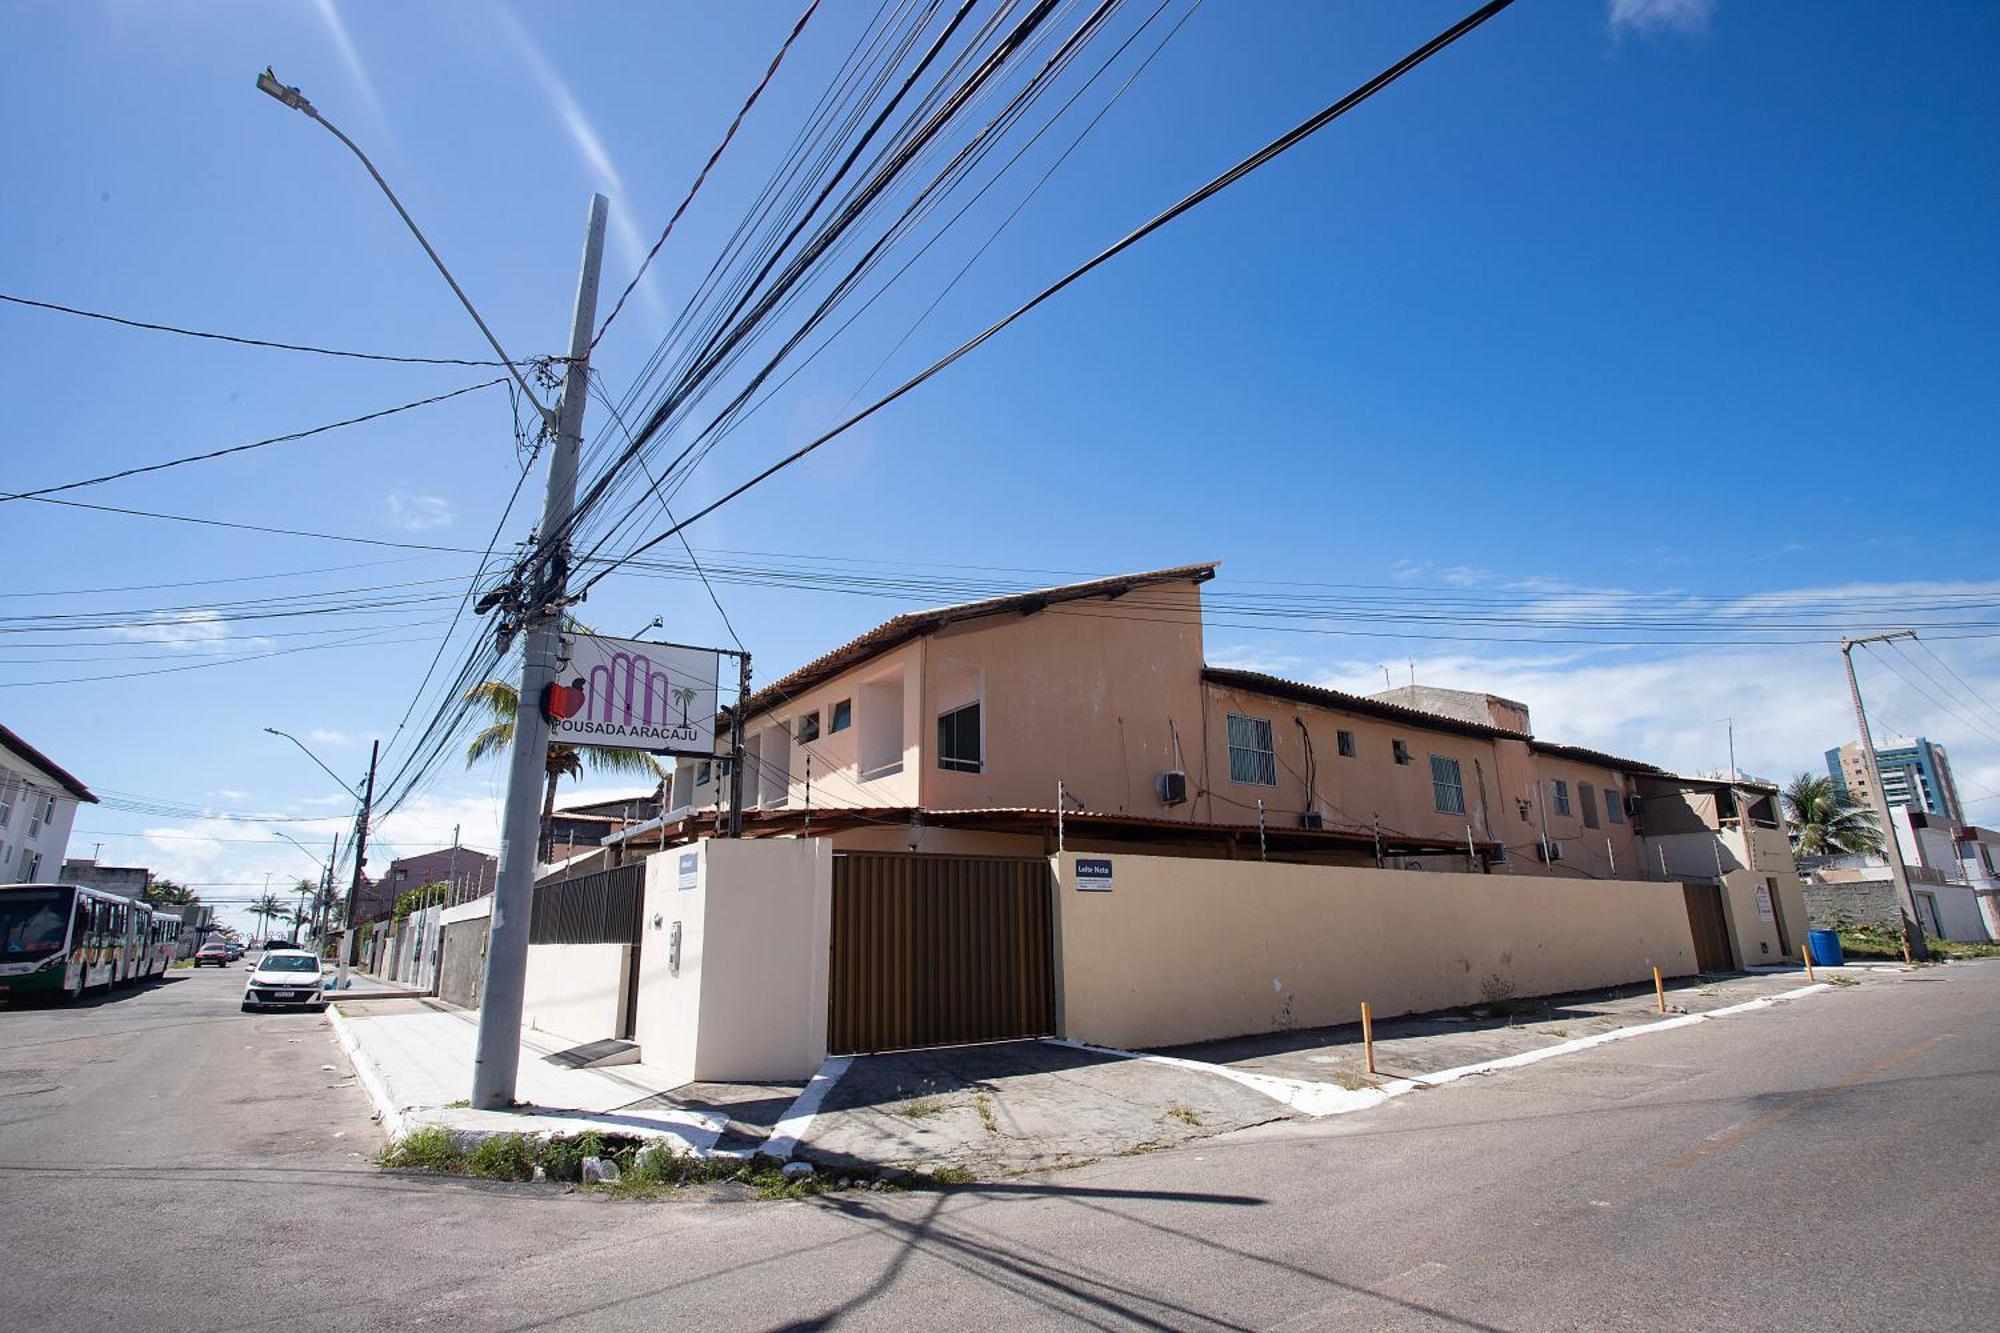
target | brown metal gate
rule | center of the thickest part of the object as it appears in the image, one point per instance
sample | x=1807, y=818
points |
x=1710, y=927
x=938, y=951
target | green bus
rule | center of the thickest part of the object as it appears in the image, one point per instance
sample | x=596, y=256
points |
x=60, y=940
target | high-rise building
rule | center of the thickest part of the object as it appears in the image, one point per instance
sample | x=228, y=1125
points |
x=1917, y=775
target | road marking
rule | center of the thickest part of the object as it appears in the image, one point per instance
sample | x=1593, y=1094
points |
x=784, y=1140
x=1317, y=1100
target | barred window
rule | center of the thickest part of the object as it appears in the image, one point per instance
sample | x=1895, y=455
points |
x=1345, y=741
x=1447, y=785
x=1252, y=758
x=1559, y=793
x=1614, y=805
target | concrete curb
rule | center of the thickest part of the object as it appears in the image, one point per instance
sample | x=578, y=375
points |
x=1319, y=1100
x=797, y=1122
x=364, y=1069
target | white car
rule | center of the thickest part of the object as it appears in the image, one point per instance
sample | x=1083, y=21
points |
x=285, y=978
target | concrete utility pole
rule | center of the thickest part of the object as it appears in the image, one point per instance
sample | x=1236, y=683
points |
x=736, y=745
x=1913, y=936
x=497, y=1058
x=360, y=859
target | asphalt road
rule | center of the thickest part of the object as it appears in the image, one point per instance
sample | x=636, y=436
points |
x=1832, y=1163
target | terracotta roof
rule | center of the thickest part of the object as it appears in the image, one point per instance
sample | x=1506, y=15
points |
x=12, y=740
x=1588, y=756
x=1277, y=687
x=1044, y=818
x=913, y=625
x=1256, y=682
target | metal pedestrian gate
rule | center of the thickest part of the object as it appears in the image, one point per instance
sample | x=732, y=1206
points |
x=1708, y=922
x=939, y=951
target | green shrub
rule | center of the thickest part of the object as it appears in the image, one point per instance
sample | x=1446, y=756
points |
x=503, y=1157
x=427, y=1149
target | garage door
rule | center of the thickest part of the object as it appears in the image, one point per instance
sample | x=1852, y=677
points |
x=939, y=951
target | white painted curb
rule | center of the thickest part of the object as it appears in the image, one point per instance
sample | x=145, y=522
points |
x=1324, y=1099
x=368, y=1074
x=785, y=1136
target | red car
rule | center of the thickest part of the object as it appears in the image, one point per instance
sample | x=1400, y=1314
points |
x=214, y=952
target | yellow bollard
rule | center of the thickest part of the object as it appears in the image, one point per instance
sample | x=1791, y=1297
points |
x=1660, y=990
x=1805, y=952
x=1368, y=1035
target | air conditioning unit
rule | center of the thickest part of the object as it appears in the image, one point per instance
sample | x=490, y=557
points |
x=1312, y=819
x=1632, y=803
x=1173, y=787
x=1549, y=850
x=1498, y=856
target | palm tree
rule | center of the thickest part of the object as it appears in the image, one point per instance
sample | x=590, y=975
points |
x=1824, y=821
x=502, y=702
x=268, y=908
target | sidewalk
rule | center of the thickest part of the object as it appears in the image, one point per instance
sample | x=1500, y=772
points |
x=415, y=1059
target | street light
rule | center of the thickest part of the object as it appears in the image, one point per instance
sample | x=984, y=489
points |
x=268, y=82
x=316, y=759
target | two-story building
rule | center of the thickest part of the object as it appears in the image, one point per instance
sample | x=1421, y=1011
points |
x=38, y=801
x=1085, y=716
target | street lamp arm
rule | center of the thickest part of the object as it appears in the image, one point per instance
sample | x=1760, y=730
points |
x=293, y=98
x=315, y=758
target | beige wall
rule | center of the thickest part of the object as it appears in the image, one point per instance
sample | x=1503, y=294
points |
x=748, y=1000
x=1498, y=775
x=575, y=991
x=1184, y=950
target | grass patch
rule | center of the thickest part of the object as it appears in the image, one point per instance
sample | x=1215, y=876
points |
x=461, y=1104
x=921, y=1108
x=983, y=1103
x=502, y=1157
x=1352, y=1080
x=428, y=1149
x=1963, y=949
x=1187, y=1115
x=1558, y=1032
x=1842, y=981
x=951, y=1175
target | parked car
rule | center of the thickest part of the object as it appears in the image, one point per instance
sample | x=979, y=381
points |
x=213, y=954
x=235, y=949
x=285, y=978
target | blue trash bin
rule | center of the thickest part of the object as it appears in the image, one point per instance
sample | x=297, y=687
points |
x=1825, y=946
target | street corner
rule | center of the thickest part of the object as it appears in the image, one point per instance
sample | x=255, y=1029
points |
x=1005, y=1108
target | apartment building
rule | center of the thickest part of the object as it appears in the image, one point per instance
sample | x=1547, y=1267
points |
x=38, y=801
x=1917, y=776
x=1086, y=715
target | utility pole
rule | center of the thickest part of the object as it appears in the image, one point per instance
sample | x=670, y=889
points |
x=1913, y=937
x=360, y=859
x=497, y=1057
x=736, y=745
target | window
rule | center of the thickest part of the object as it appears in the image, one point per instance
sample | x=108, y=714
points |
x=1252, y=758
x=1587, y=794
x=1614, y=805
x=1401, y=751
x=1344, y=740
x=809, y=726
x=34, y=819
x=1447, y=785
x=32, y=866
x=1560, y=791
x=958, y=739
x=701, y=774
x=843, y=716
x=7, y=789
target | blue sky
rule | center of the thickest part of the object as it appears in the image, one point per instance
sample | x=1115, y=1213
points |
x=1641, y=298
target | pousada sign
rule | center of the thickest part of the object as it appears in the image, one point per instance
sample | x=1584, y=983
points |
x=632, y=695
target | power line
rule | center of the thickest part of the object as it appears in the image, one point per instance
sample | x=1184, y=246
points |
x=246, y=342
x=1262, y=156
x=244, y=448
x=708, y=166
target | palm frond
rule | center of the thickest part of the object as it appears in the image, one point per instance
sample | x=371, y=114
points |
x=492, y=740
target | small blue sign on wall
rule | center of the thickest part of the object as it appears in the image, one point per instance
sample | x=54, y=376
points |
x=688, y=863
x=1093, y=874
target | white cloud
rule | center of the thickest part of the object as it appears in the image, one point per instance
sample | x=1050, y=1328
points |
x=229, y=794
x=328, y=736
x=1666, y=705
x=190, y=632
x=336, y=28
x=1653, y=16
x=418, y=513
x=589, y=145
